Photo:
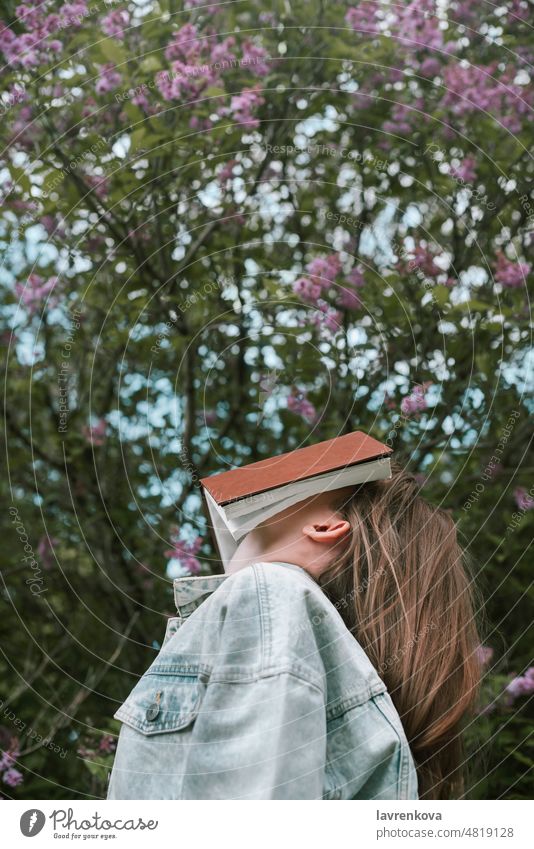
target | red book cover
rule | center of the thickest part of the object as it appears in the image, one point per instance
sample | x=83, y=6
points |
x=330, y=455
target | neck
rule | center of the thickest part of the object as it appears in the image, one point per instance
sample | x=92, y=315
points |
x=255, y=547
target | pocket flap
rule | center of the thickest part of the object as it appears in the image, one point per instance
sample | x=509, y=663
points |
x=163, y=701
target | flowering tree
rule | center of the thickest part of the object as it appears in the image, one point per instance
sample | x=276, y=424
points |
x=227, y=233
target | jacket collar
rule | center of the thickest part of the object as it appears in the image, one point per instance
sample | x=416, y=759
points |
x=191, y=590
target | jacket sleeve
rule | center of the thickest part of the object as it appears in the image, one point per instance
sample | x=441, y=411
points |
x=263, y=739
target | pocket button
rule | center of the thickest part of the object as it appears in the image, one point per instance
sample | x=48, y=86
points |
x=153, y=709
x=152, y=712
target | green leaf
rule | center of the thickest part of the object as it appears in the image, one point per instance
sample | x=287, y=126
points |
x=20, y=178
x=472, y=306
x=113, y=51
x=214, y=91
x=441, y=294
x=136, y=139
x=150, y=64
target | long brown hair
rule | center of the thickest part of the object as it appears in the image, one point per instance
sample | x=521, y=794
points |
x=412, y=609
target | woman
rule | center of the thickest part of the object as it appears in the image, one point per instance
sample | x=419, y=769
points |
x=335, y=659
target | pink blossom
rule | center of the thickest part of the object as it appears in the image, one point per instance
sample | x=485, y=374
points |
x=326, y=317
x=24, y=129
x=306, y=289
x=9, y=757
x=520, y=10
x=108, y=78
x=107, y=744
x=242, y=106
x=268, y=18
x=54, y=45
x=509, y=273
x=100, y=185
x=185, y=81
x=27, y=50
x=210, y=417
x=355, y=277
x=364, y=18
x=15, y=95
x=521, y=685
x=199, y=62
x=430, y=67
x=140, y=99
x=30, y=16
x=221, y=53
x=24, y=205
x=31, y=48
x=51, y=225
x=474, y=88
x=12, y=777
x=401, y=120
x=115, y=23
x=95, y=434
x=7, y=39
x=349, y=299
x=465, y=171
x=90, y=107
x=72, y=14
x=197, y=123
x=185, y=43
x=523, y=500
x=51, y=24
x=418, y=26
x=254, y=57
x=324, y=269
x=415, y=402
x=184, y=551
x=484, y=654
x=35, y=292
x=298, y=403
x=45, y=549
x=423, y=259
x=226, y=171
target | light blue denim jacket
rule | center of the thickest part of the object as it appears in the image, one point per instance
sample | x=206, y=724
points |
x=260, y=691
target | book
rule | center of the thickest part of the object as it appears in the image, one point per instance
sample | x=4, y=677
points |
x=240, y=499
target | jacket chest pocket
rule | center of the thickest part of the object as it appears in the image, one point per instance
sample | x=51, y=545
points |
x=165, y=699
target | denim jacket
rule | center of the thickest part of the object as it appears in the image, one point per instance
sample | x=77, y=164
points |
x=260, y=691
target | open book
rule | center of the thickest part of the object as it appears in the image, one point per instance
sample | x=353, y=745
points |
x=240, y=499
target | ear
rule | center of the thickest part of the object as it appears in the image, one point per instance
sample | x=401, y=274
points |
x=327, y=532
